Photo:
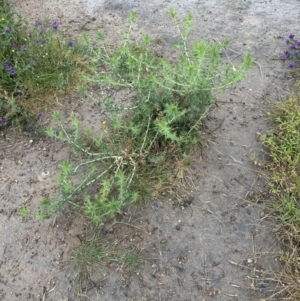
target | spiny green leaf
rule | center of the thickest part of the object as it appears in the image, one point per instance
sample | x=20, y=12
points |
x=188, y=20
x=57, y=116
x=166, y=131
x=100, y=35
x=132, y=16
x=172, y=13
x=146, y=39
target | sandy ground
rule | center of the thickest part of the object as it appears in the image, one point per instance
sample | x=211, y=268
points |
x=220, y=246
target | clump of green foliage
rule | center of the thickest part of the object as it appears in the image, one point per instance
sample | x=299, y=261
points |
x=283, y=144
x=35, y=61
x=136, y=148
x=86, y=259
x=170, y=98
x=91, y=255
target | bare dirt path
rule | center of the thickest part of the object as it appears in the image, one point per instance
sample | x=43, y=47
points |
x=216, y=247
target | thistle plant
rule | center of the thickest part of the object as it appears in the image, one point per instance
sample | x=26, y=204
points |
x=111, y=169
x=170, y=99
x=142, y=140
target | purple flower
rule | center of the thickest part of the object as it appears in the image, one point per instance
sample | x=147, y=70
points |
x=71, y=43
x=14, y=45
x=286, y=54
x=30, y=128
x=31, y=61
x=10, y=70
x=8, y=30
x=290, y=65
x=291, y=36
x=37, y=23
x=40, y=115
x=55, y=25
x=42, y=31
x=287, y=41
x=37, y=42
x=2, y=120
x=297, y=44
x=292, y=47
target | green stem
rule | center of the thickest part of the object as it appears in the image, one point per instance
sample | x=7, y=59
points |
x=199, y=120
x=183, y=38
x=96, y=160
x=147, y=130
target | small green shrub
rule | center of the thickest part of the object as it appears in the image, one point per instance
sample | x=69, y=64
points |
x=170, y=98
x=138, y=147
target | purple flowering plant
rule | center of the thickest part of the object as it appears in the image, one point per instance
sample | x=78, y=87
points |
x=55, y=25
x=2, y=121
x=8, y=68
x=293, y=51
x=36, y=58
x=31, y=49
